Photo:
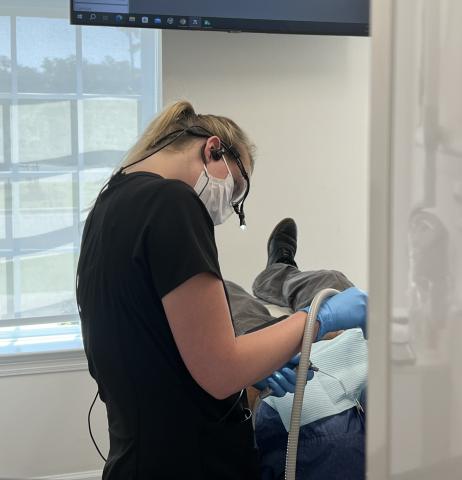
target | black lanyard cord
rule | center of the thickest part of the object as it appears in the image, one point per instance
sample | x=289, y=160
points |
x=89, y=427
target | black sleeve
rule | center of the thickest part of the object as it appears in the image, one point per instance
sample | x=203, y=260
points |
x=181, y=240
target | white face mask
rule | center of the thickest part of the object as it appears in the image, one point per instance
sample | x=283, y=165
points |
x=216, y=194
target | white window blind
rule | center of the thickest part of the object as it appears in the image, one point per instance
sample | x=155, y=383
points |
x=72, y=101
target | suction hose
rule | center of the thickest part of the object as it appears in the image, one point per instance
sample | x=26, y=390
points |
x=302, y=372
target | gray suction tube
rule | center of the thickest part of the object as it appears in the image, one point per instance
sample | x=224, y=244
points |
x=302, y=372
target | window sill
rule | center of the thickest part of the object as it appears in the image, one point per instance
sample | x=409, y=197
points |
x=43, y=362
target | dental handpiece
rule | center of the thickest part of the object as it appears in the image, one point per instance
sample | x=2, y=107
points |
x=268, y=391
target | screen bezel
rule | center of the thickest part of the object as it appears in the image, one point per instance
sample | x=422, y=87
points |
x=226, y=24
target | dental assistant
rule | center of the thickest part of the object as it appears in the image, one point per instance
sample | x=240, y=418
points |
x=154, y=311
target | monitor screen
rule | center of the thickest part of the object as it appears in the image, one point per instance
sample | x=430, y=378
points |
x=320, y=17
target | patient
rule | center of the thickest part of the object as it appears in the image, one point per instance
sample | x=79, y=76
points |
x=332, y=436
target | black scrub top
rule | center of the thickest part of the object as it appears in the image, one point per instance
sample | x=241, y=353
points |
x=145, y=236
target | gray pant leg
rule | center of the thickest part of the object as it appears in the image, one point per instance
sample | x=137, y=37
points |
x=287, y=286
x=247, y=312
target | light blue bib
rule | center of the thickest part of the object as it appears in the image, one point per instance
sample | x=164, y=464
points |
x=344, y=357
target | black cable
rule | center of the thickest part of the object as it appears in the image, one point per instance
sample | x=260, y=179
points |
x=89, y=427
x=228, y=413
x=156, y=148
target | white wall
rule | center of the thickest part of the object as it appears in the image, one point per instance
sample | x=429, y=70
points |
x=43, y=425
x=304, y=101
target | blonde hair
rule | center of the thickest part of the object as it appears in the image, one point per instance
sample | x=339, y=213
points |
x=179, y=116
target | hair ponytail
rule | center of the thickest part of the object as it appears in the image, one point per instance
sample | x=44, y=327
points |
x=179, y=116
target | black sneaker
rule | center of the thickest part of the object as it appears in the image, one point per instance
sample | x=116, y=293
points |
x=282, y=243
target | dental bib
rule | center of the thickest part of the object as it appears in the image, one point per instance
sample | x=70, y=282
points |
x=345, y=358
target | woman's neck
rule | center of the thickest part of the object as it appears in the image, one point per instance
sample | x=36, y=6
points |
x=171, y=165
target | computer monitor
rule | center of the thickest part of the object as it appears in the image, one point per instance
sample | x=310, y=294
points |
x=319, y=17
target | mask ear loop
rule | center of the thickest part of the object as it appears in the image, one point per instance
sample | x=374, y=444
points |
x=227, y=167
x=221, y=158
x=204, y=161
x=232, y=179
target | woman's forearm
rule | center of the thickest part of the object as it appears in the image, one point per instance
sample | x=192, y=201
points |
x=259, y=354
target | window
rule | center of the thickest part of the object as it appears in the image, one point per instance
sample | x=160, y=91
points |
x=72, y=101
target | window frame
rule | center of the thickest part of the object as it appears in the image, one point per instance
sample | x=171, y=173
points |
x=151, y=102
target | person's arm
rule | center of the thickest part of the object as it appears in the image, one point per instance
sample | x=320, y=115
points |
x=199, y=317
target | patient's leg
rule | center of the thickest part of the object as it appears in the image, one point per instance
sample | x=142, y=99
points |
x=287, y=286
x=248, y=313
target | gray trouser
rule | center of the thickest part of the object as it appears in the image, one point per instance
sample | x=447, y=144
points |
x=282, y=285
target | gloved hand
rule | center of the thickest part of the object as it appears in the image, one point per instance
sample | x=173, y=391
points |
x=347, y=309
x=284, y=379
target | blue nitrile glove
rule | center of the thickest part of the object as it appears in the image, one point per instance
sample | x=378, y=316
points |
x=293, y=364
x=284, y=379
x=345, y=310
